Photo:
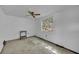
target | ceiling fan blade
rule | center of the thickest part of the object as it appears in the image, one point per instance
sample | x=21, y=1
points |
x=36, y=14
x=29, y=12
x=33, y=16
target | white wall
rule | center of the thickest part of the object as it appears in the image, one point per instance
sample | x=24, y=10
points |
x=66, y=29
x=10, y=27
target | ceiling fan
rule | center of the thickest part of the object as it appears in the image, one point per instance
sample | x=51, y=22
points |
x=33, y=14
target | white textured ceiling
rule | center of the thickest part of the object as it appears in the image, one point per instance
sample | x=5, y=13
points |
x=21, y=10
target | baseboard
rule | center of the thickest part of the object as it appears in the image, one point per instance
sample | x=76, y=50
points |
x=57, y=44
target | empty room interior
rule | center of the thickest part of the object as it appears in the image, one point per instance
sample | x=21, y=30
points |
x=39, y=29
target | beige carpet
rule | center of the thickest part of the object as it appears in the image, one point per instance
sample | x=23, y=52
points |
x=33, y=45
